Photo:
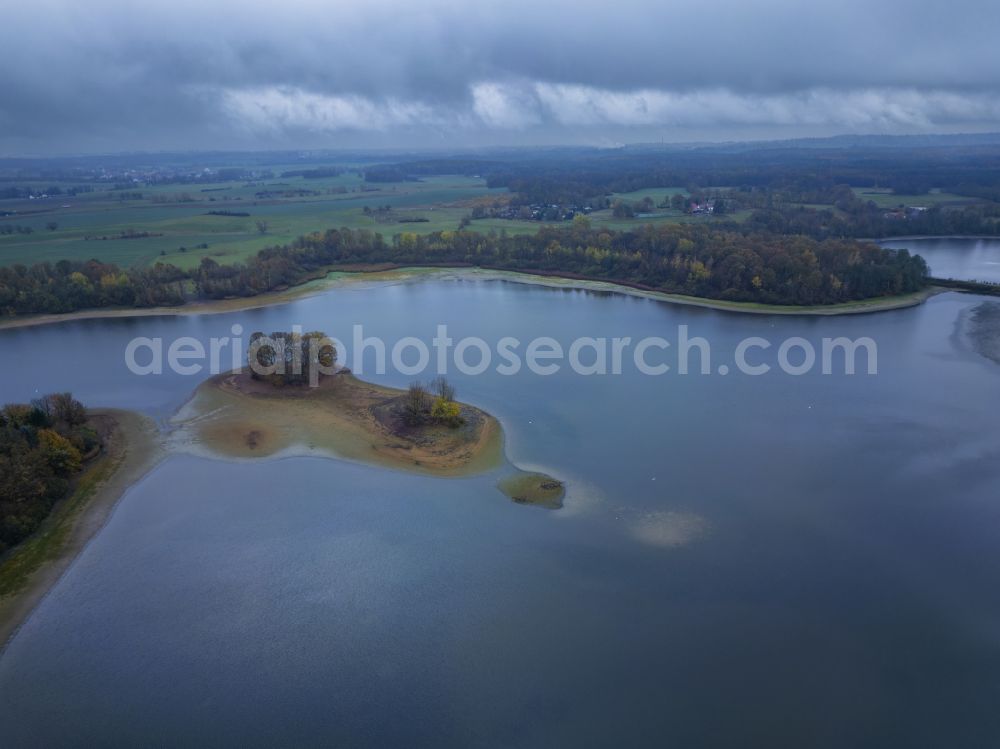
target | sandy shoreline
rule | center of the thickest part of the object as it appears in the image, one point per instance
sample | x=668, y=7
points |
x=353, y=278
x=131, y=451
x=880, y=304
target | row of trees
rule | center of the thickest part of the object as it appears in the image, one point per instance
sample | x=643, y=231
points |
x=860, y=218
x=713, y=262
x=291, y=358
x=42, y=445
x=691, y=259
x=69, y=285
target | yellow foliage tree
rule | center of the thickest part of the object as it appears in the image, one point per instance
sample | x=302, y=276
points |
x=60, y=454
x=447, y=411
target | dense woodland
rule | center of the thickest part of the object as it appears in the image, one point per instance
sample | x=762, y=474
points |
x=687, y=259
x=965, y=165
x=42, y=446
x=699, y=260
x=71, y=285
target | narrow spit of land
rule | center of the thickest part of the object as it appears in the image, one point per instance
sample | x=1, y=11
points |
x=27, y=572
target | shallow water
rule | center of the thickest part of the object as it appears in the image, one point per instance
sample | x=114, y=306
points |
x=775, y=560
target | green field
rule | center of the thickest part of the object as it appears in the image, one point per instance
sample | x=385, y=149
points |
x=885, y=198
x=175, y=217
x=180, y=231
x=657, y=194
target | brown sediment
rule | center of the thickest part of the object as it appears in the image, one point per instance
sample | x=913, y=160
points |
x=236, y=416
x=27, y=572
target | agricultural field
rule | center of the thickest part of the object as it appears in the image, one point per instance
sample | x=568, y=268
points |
x=886, y=198
x=167, y=218
x=656, y=194
x=183, y=223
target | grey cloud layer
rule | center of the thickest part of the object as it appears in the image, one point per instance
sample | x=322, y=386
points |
x=185, y=74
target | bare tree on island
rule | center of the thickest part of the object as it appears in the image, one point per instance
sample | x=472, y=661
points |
x=291, y=358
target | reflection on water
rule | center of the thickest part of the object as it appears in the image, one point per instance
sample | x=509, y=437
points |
x=961, y=258
x=813, y=558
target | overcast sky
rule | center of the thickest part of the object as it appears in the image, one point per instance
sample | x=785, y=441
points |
x=113, y=75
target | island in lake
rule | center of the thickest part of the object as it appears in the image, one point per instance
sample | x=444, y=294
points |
x=293, y=399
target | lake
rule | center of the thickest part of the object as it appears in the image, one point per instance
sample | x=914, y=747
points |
x=742, y=560
x=960, y=258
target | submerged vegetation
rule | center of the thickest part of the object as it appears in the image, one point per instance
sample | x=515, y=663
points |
x=533, y=489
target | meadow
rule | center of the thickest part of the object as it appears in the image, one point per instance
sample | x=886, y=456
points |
x=173, y=222
x=886, y=198
x=183, y=223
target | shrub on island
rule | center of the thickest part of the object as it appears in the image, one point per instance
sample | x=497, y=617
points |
x=424, y=406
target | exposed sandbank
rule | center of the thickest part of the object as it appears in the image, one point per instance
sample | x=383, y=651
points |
x=232, y=415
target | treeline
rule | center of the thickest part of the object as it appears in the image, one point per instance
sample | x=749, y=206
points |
x=23, y=192
x=853, y=216
x=688, y=259
x=42, y=446
x=574, y=175
x=388, y=174
x=69, y=285
x=711, y=262
x=317, y=173
x=797, y=207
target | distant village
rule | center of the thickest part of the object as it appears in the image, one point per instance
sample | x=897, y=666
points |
x=551, y=212
x=534, y=212
x=905, y=212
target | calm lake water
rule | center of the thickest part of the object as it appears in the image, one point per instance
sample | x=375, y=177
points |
x=961, y=258
x=742, y=561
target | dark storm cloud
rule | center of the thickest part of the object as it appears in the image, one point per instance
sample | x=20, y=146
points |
x=112, y=74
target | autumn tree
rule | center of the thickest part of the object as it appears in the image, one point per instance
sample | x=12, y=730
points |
x=415, y=404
